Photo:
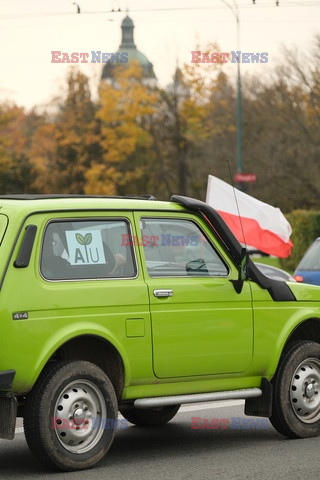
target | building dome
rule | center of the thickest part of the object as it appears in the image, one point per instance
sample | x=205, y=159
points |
x=128, y=46
x=127, y=22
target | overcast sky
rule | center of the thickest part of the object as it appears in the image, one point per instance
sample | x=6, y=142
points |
x=29, y=31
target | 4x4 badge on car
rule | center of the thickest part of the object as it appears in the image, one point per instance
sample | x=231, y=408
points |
x=20, y=315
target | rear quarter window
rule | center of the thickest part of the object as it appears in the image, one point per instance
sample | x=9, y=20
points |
x=84, y=249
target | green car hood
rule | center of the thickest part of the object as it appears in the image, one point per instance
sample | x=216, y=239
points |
x=305, y=292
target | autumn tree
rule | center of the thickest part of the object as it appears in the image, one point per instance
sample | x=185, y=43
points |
x=67, y=142
x=281, y=134
x=282, y=131
x=186, y=127
x=16, y=129
x=126, y=109
x=215, y=153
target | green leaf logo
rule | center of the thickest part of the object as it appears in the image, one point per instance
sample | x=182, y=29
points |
x=84, y=240
x=87, y=239
x=80, y=239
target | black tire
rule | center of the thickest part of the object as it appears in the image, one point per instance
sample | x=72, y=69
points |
x=149, y=416
x=70, y=416
x=296, y=392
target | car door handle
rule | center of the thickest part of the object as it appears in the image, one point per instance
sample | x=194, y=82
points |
x=162, y=293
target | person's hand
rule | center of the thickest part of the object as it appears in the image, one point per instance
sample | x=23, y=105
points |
x=119, y=262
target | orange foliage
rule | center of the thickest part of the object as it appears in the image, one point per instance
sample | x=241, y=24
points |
x=126, y=107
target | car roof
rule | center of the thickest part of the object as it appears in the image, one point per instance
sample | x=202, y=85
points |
x=61, y=202
x=43, y=196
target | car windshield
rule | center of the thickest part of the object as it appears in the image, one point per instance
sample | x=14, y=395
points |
x=311, y=260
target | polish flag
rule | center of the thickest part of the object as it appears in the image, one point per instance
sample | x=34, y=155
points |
x=261, y=226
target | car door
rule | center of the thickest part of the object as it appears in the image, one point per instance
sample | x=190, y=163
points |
x=72, y=286
x=200, y=325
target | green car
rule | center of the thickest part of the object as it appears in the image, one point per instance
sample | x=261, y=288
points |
x=138, y=306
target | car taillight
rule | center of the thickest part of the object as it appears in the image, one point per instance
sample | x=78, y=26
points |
x=298, y=278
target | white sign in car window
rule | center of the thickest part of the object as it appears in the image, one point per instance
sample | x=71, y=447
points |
x=85, y=247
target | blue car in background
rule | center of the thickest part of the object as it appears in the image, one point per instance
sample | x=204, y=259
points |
x=308, y=270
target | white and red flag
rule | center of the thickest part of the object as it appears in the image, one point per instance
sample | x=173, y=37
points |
x=261, y=226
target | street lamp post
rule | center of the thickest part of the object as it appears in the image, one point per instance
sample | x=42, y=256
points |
x=235, y=10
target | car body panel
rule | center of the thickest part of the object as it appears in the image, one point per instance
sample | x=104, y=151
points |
x=3, y=225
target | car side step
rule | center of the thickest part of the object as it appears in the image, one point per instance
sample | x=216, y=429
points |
x=197, y=398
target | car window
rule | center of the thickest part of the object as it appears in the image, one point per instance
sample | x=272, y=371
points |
x=179, y=248
x=311, y=259
x=86, y=249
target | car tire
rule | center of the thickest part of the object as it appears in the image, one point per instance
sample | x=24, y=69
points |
x=296, y=392
x=70, y=416
x=149, y=416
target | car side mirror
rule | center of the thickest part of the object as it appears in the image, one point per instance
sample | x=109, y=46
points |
x=238, y=284
x=196, y=266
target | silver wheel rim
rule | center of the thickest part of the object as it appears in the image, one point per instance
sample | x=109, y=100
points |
x=80, y=416
x=305, y=391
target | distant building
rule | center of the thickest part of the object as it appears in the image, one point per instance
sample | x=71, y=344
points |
x=128, y=46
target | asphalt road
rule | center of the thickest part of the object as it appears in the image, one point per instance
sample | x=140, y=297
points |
x=178, y=451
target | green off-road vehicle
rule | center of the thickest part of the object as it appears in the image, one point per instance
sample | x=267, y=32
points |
x=138, y=306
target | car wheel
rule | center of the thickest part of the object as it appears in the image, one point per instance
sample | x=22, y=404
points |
x=296, y=397
x=70, y=416
x=149, y=416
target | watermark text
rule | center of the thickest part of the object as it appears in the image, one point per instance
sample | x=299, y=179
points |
x=164, y=240
x=57, y=56
x=235, y=423
x=58, y=423
x=224, y=57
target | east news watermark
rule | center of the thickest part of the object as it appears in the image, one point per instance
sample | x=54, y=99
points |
x=197, y=423
x=57, y=56
x=58, y=423
x=233, y=423
x=197, y=56
x=165, y=240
